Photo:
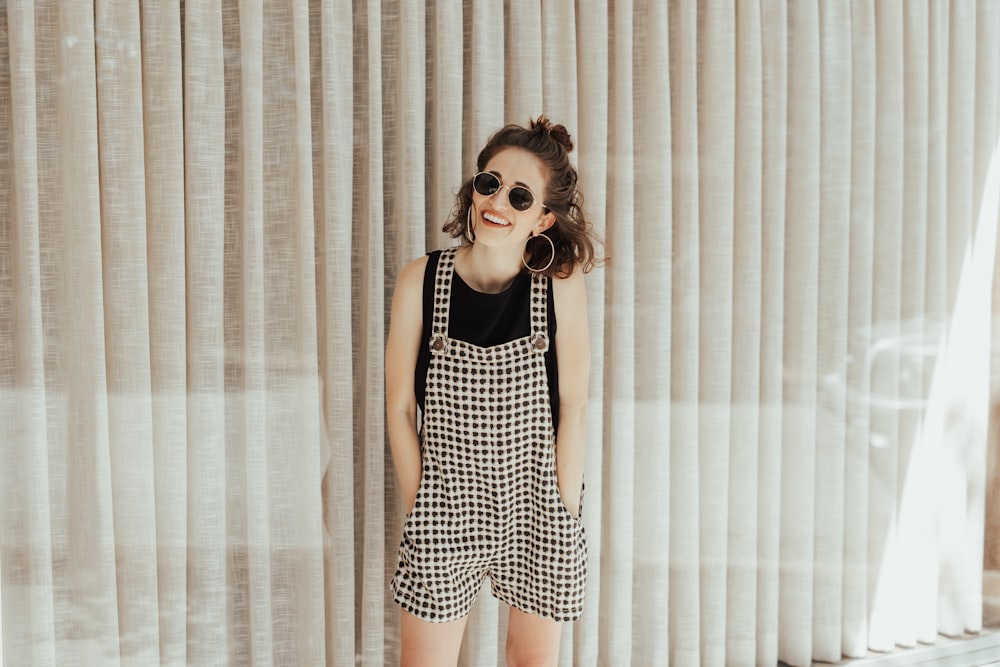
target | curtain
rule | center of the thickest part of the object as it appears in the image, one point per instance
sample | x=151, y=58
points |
x=204, y=207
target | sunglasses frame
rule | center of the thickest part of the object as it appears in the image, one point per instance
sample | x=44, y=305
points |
x=510, y=189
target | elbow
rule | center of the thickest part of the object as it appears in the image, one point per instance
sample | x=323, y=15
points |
x=573, y=412
x=401, y=408
x=407, y=413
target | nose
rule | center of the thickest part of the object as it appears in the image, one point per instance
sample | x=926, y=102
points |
x=501, y=199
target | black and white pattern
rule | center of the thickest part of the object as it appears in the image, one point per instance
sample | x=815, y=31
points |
x=488, y=503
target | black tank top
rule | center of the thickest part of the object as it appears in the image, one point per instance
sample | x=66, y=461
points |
x=486, y=320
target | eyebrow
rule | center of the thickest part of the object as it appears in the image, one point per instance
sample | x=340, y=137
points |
x=521, y=183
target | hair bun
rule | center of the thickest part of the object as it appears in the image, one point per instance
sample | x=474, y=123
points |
x=558, y=132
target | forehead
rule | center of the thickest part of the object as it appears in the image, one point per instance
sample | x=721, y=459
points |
x=515, y=165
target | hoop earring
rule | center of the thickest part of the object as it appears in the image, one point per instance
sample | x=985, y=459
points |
x=551, y=257
x=468, y=226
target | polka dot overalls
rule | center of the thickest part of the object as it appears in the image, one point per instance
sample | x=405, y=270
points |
x=488, y=504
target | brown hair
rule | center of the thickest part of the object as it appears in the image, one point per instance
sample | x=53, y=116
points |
x=572, y=233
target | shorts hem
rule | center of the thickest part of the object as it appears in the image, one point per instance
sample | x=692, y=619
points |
x=558, y=615
x=423, y=614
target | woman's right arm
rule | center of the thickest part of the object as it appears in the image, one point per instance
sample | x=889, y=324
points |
x=402, y=346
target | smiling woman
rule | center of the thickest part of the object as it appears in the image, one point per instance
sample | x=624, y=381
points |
x=473, y=344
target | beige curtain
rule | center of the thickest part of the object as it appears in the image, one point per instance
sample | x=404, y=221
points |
x=203, y=206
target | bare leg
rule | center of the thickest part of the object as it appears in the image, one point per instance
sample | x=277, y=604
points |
x=532, y=641
x=425, y=644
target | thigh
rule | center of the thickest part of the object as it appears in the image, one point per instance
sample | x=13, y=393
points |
x=531, y=639
x=432, y=644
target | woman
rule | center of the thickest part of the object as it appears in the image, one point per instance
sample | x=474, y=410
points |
x=493, y=481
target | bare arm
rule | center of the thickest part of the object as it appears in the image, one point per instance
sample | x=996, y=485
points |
x=573, y=361
x=402, y=346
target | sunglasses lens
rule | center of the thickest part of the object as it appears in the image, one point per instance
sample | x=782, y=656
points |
x=521, y=198
x=486, y=184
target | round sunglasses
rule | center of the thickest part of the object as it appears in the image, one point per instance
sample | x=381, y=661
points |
x=488, y=184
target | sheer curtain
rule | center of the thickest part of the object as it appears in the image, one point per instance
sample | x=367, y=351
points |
x=204, y=208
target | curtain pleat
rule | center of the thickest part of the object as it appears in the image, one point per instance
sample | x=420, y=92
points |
x=652, y=252
x=884, y=357
x=801, y=300
x=404, y=197
x=368, y=310
x=84, y=547
x=445, y=80
x=522, y=53
x=716, y=154
x=333, y=154
x=247, y=391
x=483, y=95
x=24, y=413
x=854, y=642
x=684, y=539
x=742, y=594
x=594, y=73
x=619, y=353
x=934, y=318
x=955, y=594
x=914, y=526
x=126, y=300
x=774, y=40
x=405, y=160
x=164, y=228
x=207, y=481
x=206, y=204
x=832, y=342
x=559, y=57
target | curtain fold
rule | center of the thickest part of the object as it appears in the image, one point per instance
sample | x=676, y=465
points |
x=331, y=64
x=651, y=363
x=684, y=591
x=833, y=268
x=204, y=208
x=799, y=337
x=163, y=164
x=773, y=163
x=24, y=412
x=124, y=268
x=206, y=476
x=854, y=641
x=745, y=418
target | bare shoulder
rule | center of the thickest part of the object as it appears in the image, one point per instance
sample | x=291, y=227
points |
x=570, y=296
x=412, y=273
x=407, y=298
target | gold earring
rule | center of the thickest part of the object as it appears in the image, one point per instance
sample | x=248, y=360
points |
x=551, y=258
x=468, y=226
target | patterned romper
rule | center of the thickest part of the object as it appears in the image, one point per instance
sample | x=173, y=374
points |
x=488, y=504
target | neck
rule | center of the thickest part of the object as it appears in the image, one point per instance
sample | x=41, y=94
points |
x=487, y=269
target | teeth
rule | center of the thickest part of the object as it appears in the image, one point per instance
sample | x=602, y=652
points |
x=495, y=220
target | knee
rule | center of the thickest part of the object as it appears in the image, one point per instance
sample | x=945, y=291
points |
x=519, y=655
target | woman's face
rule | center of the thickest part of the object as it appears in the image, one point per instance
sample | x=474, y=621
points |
x=494, y=221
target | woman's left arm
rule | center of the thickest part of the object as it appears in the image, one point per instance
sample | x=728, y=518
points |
x=573, y=362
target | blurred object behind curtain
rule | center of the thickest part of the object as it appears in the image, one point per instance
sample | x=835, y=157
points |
x=204, y=208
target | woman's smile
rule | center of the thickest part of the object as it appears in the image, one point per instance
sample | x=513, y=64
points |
x=494, y=219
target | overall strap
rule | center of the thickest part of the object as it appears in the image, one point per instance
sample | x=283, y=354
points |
x=539, y=312
x=442, y=300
